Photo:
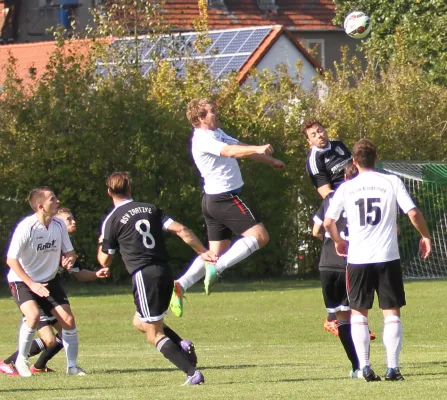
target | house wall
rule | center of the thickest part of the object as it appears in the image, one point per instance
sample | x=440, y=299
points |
x=284, y=51
x=36, y=16
x=332, y=43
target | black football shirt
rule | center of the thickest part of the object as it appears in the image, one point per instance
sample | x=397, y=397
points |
x=136, y=230
x=329, y=259
x=326, y=166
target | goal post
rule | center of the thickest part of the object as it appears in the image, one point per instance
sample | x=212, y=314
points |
x=427, y=184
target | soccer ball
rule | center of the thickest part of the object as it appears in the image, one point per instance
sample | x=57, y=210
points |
x=357, y=24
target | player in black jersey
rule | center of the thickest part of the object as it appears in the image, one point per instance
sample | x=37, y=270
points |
x=326, y=158
x=325, y=164
x=333, y=278
x=50, y=344
x=136, y=229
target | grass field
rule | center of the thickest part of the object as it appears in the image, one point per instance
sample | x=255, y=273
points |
x=254, y=341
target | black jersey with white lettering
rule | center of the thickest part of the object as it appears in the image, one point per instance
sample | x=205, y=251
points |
x=329, y=259
x=326, y=166
x=136, y=230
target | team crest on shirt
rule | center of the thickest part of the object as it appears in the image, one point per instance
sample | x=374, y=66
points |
x=339, y=151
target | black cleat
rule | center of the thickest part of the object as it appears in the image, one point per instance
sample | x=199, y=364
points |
x=369, y=375
x=393, y=374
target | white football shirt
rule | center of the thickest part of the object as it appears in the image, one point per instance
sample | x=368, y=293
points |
x=220, y=174
x=371, y=201
x=38, y=248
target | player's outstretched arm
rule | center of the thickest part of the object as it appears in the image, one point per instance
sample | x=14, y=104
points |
x=418, y=221
x=242, y=150
x=68, y=260
x=85, y=275
x=192, y=240
x=36, y=287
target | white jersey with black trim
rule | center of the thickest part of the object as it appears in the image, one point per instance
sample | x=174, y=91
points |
x=220, y=174
x=38, y=248
x=371, y=201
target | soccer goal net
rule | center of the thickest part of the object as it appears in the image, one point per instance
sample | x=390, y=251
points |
x=427, y=184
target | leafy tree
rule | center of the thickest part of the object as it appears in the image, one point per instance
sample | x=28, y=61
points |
x=421, y=25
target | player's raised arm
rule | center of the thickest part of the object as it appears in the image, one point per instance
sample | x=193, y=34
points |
x=192, y=240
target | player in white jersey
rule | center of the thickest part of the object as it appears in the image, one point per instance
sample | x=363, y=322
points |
x=215, y=154
x=34, y=256
x=48, y=343
x=371, y=201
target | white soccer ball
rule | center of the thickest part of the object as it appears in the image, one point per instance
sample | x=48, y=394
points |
x=357, y=25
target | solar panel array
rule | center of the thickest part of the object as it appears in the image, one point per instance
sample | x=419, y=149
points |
x=227, y=52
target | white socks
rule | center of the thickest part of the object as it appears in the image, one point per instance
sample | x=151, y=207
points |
x=392, y=339
x=240, y=250
x=26, y=337
x=194, y=273
x=360, y=337
x=71, y=345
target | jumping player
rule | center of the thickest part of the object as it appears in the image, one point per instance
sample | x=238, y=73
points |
x=215, y=154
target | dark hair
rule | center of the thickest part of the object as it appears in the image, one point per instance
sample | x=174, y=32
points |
x=365, y=153
x=351, y=170
x=36, y=195
x=308, y=124
x=119, y=184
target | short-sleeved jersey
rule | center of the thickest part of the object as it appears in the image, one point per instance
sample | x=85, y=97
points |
x=371, y=201
x=136, y=230
x=220, y=174
x=329, y=259
x=326, y=166
x=38, y=248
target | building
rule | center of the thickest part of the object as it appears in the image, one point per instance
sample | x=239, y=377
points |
x=309, y=21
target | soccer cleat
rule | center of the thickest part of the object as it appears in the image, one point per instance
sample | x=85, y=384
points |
x=35, y=370
x=331, y=327
x=75, y=370
x=190, y=351
x=176, y=303
x=393, y=374
x=8, y=369
x=372, y=336
x=22, y=367
x=210, y=277
x=369, y=375
x=196, y=379
x=357, y=374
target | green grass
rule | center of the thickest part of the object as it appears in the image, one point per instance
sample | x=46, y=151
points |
x=254, y=341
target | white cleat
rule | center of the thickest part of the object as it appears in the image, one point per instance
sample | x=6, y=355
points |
x=22, y=367
x=75, y=370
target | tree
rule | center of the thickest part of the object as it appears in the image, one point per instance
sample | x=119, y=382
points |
x=421, y=25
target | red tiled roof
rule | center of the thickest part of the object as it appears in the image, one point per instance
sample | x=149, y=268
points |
x=32, y=56
x=3, y=14
x=306, y=14
x=36, y=55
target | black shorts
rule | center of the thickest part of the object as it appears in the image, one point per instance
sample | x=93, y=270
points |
x=226, y=213
x=333, y=285
x=385, y=278
x=22, y=293
x=152, y=290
